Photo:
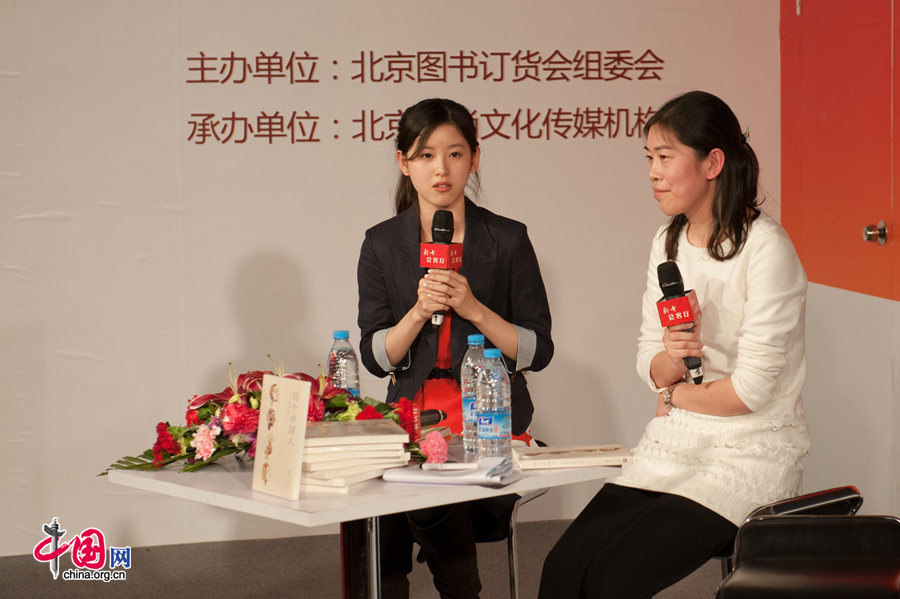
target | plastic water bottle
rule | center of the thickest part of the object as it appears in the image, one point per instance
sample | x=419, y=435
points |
x=343, y=365
x=494, y=408
x=471, y=368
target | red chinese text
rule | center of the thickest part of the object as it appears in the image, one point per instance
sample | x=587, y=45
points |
x=268, y=67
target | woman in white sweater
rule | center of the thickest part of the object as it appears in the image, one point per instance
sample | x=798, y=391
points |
x=718, y=449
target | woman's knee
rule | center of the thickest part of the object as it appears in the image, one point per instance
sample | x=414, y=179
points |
x=559, y=563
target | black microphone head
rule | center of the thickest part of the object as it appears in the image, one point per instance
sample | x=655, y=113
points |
x=670, y=281
x=442, y=227
x=431, y=417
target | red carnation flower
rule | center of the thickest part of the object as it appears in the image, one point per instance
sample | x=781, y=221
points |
x=239, y=418
x=369, y=413
x=406, y=416
x=165, y=444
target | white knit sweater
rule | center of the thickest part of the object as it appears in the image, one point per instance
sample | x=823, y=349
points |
x=753, y=309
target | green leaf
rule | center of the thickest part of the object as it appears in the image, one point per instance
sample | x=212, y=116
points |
x=338, y=402
x=383, y=408
x=144, y=462
x=219, y=453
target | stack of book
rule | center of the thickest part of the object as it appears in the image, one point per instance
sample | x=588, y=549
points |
x=338, y=455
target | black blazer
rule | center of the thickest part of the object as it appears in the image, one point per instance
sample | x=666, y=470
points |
x=502, y=270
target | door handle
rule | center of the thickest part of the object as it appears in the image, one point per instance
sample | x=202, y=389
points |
x=873, y=233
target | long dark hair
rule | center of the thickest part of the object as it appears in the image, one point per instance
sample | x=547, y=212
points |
x=418, y=122
x=703, y=122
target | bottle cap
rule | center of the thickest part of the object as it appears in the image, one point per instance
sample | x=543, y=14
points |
x=492, y=353
x=342, y=334
x=476, y=339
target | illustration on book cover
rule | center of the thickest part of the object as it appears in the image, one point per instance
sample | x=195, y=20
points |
x=280, y=436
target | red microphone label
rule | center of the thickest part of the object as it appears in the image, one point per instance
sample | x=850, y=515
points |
x=679, y=310
x=441, y=255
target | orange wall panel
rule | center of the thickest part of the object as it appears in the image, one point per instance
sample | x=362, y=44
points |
x=837, y=140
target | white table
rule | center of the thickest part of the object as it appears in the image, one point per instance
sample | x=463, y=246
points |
x=228, y=485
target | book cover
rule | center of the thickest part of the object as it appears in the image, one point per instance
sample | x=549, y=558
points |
x=571, y=456
x=308, y=487
x=394, y=447
x=354, y=432
x=361, y=463
x=353, y=456
x=316, y=486
x=313, y=477
x=283, y=409
x=344, y=481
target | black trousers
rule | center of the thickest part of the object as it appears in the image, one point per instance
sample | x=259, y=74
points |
x=631, y=543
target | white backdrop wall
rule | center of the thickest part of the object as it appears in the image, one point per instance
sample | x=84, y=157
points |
x=136, y=262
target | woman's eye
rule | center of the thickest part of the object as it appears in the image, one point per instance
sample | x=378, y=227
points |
x=425, y=155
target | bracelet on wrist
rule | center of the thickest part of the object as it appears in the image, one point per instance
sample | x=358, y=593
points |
x=667, y=394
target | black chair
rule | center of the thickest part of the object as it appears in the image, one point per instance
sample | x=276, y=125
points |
x=844, y=500
x=822, y=557
x=485, y=533
x=512, y=542
x=491, y=527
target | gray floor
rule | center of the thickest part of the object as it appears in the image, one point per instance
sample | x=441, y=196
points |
x=296, y=567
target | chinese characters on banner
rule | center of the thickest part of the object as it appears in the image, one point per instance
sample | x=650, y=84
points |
x=295, y=125
x=433, y=67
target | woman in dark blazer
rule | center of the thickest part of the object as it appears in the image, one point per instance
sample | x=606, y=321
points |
x=502, y=272
x=497, y=292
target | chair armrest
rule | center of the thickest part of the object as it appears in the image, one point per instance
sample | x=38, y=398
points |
x=821, y=537
x=840, y=500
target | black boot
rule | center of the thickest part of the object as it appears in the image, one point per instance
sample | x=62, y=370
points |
x=448, y=544
x=396, y=556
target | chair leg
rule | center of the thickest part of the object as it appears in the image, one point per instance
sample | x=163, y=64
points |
x=727, y=565
x=513, y=556
x=512, y=542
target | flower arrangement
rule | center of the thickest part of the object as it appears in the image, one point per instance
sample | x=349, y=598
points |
x=225, y=423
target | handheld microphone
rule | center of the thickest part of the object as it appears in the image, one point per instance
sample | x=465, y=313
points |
x=677, y=307
x=442, y=227
x=441, y=252
x=431, y=417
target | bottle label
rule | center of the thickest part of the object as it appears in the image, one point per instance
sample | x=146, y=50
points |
x=494, y=425
x=469, y=407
